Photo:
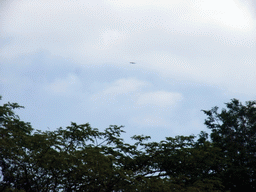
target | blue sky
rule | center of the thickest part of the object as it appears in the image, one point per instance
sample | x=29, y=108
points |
x=70, y=61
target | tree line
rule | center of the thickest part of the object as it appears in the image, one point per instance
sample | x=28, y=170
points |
x=82, y=158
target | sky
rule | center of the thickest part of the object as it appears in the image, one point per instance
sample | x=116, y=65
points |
x=69, y=61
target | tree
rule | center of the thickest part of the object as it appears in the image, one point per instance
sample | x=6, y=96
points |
x=13, y=133
x=189, y=164
x=77, y=158
x=82, y=158
x=234, y=132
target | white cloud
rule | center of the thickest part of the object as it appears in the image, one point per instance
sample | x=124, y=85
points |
x=119, y=87
x=179, y=39
x=229, y=13
x=149, y=120
x=109, y=38
x=146, y=4
x=227, y=70
x=68, y=86
x=123, y=86
x=159, y=98
x=83, y=30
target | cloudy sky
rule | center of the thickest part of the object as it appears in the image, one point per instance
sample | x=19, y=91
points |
x=69, y=60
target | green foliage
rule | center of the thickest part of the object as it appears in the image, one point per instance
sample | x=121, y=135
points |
x=234, y=133
x=82, y=158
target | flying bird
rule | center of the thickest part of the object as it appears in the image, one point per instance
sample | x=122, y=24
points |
x=132, y=63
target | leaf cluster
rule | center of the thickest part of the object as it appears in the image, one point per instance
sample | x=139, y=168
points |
x=82, y=158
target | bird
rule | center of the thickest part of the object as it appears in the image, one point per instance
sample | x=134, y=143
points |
x=132, y=62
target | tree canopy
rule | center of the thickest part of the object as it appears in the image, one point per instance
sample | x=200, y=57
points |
x=82, y=158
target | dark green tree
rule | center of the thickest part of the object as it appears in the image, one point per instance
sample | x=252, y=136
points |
x=77, y=158
x=189, y=164
x=234, y=132
x=14, y=139
x=82, y=158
